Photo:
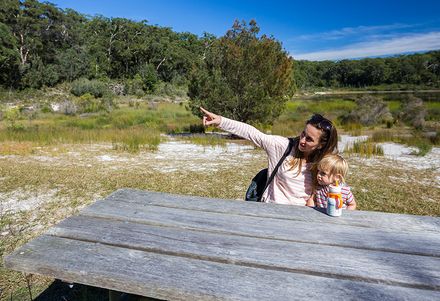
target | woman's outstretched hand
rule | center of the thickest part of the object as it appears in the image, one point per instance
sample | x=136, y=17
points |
x=210, y=118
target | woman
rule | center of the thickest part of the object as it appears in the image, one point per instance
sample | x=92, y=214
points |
x=293, y=183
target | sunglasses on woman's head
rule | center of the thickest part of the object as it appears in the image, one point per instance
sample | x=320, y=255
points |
x=321, y=122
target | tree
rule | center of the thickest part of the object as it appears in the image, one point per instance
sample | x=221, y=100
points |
x=243, y=76
x=9, y=58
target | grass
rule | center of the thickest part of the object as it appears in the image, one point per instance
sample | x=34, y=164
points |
x=205, y=140
x=410, y=138
x=81, y=185
x=291, y=122
x=379, y=189
x=137, y=129
x=365, y=149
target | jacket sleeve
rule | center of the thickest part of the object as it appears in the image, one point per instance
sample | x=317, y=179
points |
x=273, y=145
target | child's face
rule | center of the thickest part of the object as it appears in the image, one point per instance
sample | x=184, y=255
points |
x=325, y=178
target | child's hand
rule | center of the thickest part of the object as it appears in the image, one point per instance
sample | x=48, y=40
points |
x=352, y=205
x=310, y=202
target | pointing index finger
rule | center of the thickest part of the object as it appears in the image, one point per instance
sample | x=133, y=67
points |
x=205, y=112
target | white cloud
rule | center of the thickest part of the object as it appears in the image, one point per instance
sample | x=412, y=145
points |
x=350, y=31
x=402, y=44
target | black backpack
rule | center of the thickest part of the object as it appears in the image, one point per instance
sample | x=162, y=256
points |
x=260, y=182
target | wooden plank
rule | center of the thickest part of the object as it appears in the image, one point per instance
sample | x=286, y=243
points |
x=178, y=278
x=368, y=219
x=335, y=262
x=418, y=243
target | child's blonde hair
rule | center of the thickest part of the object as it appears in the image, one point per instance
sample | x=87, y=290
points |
x=334, y=164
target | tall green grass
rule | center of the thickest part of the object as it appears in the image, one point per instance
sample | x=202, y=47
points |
x=135, y=139
x=205, y=140
x=365, y=149
x=127, y=128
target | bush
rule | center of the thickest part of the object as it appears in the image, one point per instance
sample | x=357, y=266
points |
x=12, y=115
x=134, y=85
x=94, y=87
x=46, y=109
x=369, y=110
x=143, y=82
x=87, y=103
x=414, y=112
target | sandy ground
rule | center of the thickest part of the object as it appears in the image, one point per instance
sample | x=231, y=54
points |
x=174, y=155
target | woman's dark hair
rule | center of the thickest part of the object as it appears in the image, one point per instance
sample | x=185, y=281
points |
x=328, y=140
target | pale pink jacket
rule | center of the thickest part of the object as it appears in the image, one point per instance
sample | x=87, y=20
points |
x=286, y=187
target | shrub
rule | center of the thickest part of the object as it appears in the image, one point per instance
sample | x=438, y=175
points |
x=12, y=115
x=46, y=109
x=414, y=112
x=94, y=87
x=369, y=110
x=134, y=86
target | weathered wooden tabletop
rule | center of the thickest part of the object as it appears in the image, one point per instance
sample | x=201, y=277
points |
x=178, y=247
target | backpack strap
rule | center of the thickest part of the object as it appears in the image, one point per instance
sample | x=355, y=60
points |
x=286, y=153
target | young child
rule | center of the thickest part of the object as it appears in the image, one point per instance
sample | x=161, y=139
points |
x=333, y=168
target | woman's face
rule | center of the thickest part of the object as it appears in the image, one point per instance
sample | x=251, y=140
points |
x=309, y=139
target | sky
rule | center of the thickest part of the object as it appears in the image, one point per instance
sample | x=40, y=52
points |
x=309, y=29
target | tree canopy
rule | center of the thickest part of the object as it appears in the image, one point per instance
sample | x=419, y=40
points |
x=42, y=45
x=243, y=76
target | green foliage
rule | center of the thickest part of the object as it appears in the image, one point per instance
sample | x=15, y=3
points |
x=243, y=76
x=149, y=78
x=87, y=103
x=12, y=115
x=135, y=86
x=43, y=45
x=93, y=87
x=9, y=58
x=424, y=147
x=400, y=72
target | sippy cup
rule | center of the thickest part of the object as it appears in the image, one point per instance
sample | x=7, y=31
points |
x=334, y=200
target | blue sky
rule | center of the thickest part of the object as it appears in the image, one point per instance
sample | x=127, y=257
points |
x=308, y=29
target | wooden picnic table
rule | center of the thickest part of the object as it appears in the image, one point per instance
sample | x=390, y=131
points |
x=177, y=247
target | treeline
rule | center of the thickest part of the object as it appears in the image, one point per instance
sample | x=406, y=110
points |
x=401, y=71
x=43, y=45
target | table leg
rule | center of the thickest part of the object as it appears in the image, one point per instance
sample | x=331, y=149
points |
x=114, y=295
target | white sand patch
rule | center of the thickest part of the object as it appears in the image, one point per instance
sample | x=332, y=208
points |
x=23, y=200
x=397, y=154
x=394, y=150
x=175, y=155
x=402, y=155
x=105, y=158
